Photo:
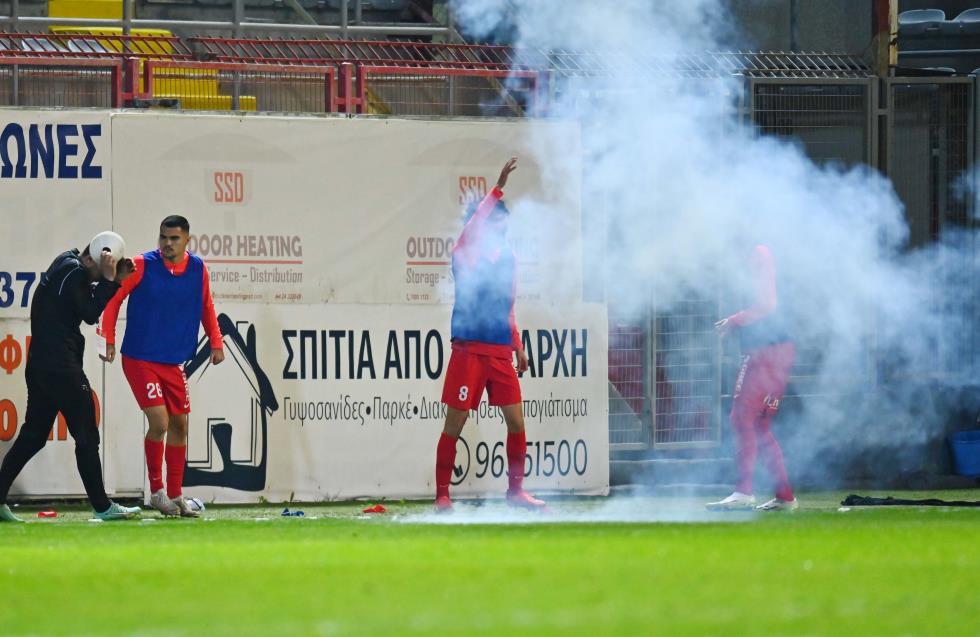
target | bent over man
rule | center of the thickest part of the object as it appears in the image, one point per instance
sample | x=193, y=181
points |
x=75, y=288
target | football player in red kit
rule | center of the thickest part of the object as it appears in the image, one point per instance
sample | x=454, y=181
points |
x=169, y=300
x=485, y=342
x=768, y=354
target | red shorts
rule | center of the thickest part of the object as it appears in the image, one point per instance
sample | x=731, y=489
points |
x=468, y=374
x=762, y=380
x=156, y=384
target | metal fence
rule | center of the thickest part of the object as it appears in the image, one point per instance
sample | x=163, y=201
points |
x=68, y=42
x=930, y=156
x=52, y=82
x=242, y=87
x=921, y=133
x=629, y=382
x=376, y=52
x=830, y=118
x=394, y=90
x=687, y=366
x=834, y=122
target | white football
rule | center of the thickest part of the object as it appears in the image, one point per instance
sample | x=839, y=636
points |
x=107, y=240
x=195, y=504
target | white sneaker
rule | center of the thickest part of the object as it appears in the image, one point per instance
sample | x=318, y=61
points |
x=779, y=505
x=118, y=512
x=185, y=510
x=163, y=504
x=735, y=502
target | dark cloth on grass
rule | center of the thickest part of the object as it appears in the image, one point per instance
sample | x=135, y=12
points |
x=865, y=501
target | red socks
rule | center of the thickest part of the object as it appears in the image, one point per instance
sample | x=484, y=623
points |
x=176, y=456
x=154, y=463
x=747, y=449
x=774, y=462
x=754, y=436
x=516, y=451
x=445, y=461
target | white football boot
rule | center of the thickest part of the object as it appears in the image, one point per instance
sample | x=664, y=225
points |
x=163, y=504
x=185, y=510
x=735, y=502
x=779, y=505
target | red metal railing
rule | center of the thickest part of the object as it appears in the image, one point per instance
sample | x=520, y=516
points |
x=269, y=50
x=263, y=87
x=382, y=52
x=364, y=76
x=353, y=88
x=94, y=45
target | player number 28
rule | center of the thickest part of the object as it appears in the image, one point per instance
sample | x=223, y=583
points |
x=153, y=390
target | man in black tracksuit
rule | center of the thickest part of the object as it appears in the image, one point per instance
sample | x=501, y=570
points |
x=67, y=295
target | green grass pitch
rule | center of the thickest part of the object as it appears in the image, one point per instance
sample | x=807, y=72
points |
x=820, y=571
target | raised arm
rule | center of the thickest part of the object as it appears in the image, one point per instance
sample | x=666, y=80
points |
x=474, y=227
x=111, y=313
x=90, y=301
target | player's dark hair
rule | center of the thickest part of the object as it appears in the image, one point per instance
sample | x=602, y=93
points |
x=85, y=252
x=176, y=221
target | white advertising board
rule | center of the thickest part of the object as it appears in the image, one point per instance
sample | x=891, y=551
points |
x=336, y=210
x=344, y=402
x=327, y=242
x=55, y=185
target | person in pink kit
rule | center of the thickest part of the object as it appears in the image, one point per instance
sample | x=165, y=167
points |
x=169, y=298
x=485, y=341
x=768, y=354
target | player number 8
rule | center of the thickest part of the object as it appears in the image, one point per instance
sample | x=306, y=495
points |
x=464, y=391
x=153, y=390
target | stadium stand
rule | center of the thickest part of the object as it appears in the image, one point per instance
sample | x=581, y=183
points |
x=920, y=21
x=929, y=41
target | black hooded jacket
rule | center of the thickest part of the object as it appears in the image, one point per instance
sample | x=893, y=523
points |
x=64, y=298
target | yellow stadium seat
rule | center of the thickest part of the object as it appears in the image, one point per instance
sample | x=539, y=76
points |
x=112, y=41
x=105, y=9
x=197, y=89
x=211, y=102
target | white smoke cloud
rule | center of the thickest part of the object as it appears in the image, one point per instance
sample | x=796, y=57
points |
x=684, y=193
x=632, y=509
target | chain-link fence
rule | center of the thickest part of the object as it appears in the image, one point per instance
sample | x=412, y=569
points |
x=832, y=121
x=830, y=118
x=930, y=162
x=687, y=358
x=629, y=382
